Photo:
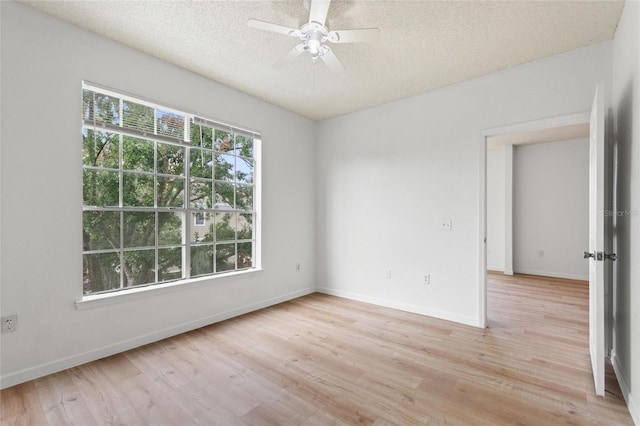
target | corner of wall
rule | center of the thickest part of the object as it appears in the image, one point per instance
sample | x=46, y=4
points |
x=624, y=387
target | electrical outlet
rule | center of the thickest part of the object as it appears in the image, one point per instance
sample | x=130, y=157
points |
x=427, y=279
x=388, y=274
x=9, y=323
x=447, y=224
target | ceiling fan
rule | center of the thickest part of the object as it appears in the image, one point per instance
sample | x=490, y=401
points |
x=315, y=34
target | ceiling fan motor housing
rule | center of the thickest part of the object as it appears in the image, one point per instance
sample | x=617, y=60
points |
x=314, y=35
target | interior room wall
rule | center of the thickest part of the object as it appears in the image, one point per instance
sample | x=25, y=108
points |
x=508, y=213
x=496, y=209
x=626, y=108
x=44, y=61
x=390, y=176
x=551, y=208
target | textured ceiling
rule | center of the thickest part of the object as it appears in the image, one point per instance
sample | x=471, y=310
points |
x=423, y=44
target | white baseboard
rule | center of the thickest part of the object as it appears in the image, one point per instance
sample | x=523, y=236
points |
x=54, y=366
x=462, y=319
x=634, y=409
x=552, y=274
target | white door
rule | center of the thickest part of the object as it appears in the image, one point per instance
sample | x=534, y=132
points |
x=596, y=240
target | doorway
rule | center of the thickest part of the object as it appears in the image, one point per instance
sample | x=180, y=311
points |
x=552, y=129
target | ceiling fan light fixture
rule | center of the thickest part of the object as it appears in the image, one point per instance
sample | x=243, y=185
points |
x=313, y=43
x=314, y=34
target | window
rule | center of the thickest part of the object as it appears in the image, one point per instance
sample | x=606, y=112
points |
x=167, y=195
x=199, y=219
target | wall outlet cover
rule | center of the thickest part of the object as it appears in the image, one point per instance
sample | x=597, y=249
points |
x=9, y=323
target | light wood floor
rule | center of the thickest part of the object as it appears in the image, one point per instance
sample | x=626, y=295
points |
x=322, y=360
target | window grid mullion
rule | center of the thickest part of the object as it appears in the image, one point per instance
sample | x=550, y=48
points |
x=186, y=220
x=157, y=250
x=156, y=205
x=236, y=254
x=121, y=252
x=214, y=238
x=155, y=120
x=121, y=190
x=134, y=133
x=214, y=190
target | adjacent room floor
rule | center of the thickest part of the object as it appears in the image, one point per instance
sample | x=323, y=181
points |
x=321, y=360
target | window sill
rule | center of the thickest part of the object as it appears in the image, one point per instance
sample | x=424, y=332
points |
x=104, y=299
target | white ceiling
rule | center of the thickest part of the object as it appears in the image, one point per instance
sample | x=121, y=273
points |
x=423, y=44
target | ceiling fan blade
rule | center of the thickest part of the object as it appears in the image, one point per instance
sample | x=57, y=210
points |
x=274, y=28
x=354, y=36
x=318, y=11
x=332, y=60
x=286, y=59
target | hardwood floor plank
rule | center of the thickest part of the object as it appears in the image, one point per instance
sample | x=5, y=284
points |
x=103, y=396
x=62, y=401
x=203, y=407
x=323, y=360
x=20, y=405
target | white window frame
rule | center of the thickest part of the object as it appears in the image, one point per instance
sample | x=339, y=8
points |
x=186, y=210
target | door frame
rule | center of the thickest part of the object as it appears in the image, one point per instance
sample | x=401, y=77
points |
x=597, y=240
x=557, y=121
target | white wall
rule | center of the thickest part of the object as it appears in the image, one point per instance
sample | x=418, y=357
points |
x=388, y=176
x=44, y=61
x=496, y=208
x=551, y=208
x=626, y=107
